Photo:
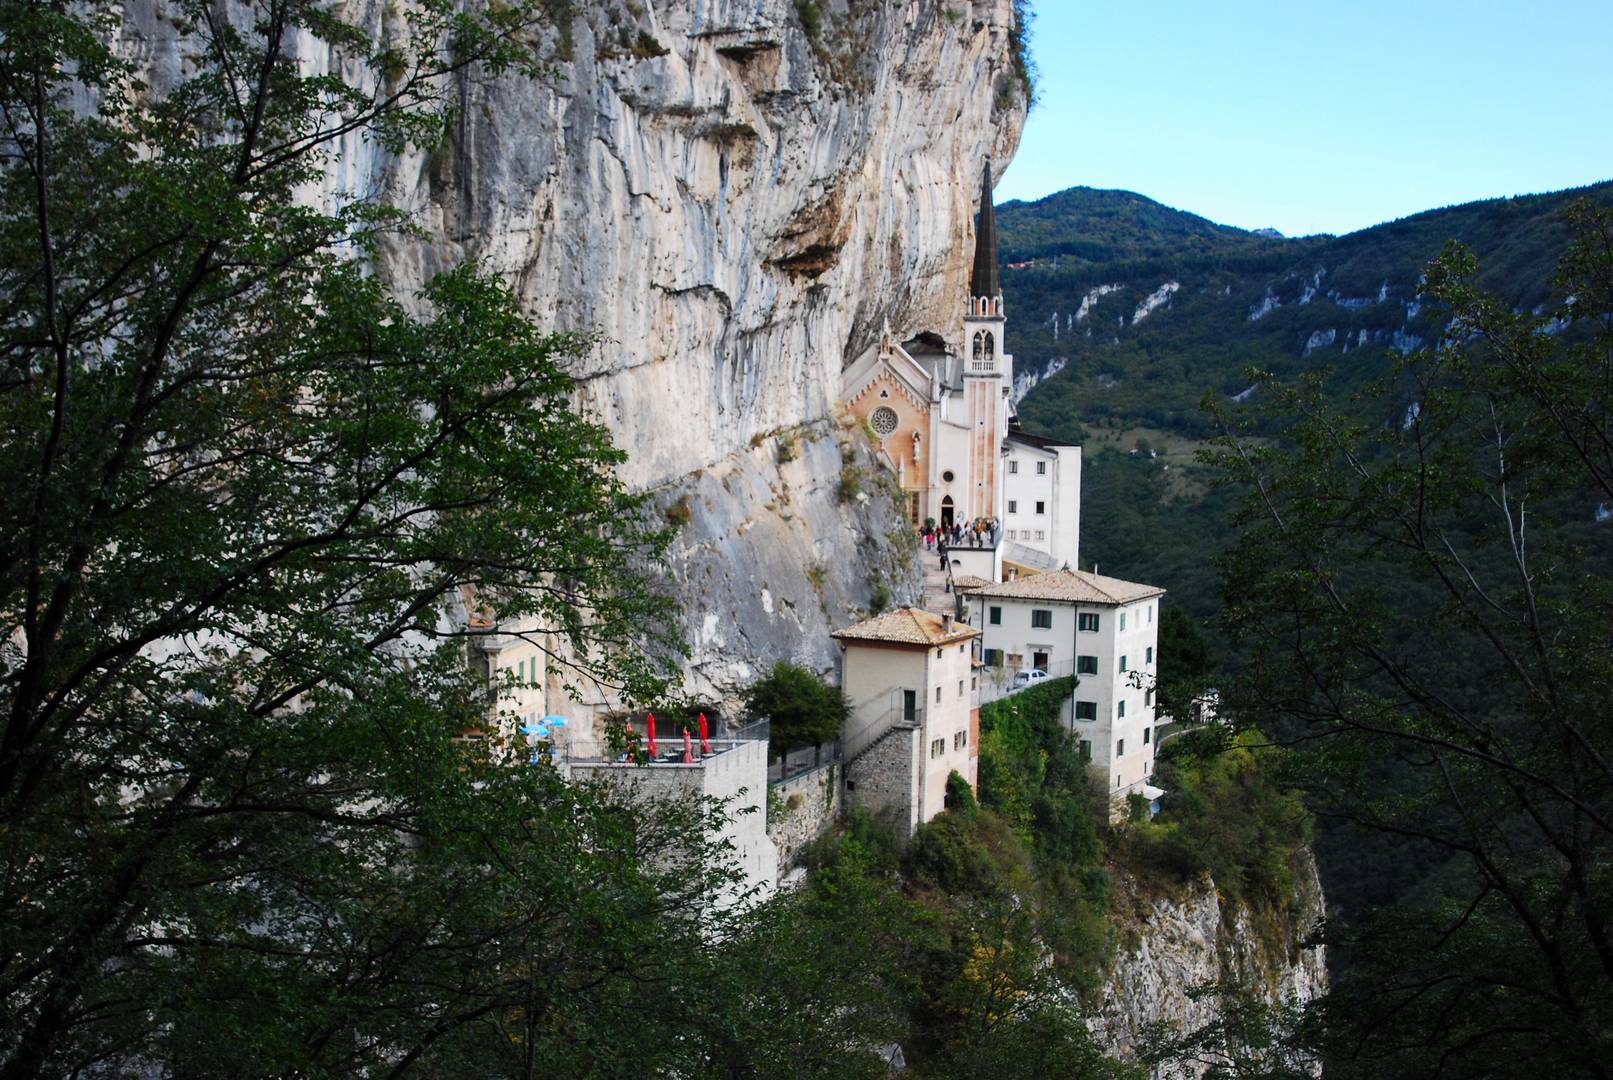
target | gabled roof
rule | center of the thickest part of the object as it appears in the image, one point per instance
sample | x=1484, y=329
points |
x=908, y=626
x=969, y=583
x=1072, y=587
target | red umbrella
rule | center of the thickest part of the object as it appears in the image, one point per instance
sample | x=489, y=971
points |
x=705, y=747
x=688, y=752
x=649, y=732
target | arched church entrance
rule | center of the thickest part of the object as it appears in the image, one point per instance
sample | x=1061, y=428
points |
x=946, y=512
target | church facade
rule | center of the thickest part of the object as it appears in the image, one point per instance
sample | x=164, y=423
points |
x=941, y=406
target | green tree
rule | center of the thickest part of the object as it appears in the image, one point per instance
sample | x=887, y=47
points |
x=249, y=489
x=801, y=708
x=1426, y=595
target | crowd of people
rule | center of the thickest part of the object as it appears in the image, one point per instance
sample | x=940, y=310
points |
x=979, y=533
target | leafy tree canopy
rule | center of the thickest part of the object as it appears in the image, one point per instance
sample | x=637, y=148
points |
x=802, y=709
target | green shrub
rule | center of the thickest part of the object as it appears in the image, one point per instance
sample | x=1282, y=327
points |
x=802, y=709
x=960, y=796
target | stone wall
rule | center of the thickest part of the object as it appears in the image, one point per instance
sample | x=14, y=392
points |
x=803, y=808
x=885, y=778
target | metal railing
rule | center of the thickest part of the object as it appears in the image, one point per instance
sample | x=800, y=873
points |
x=803, y=760
x=998, y=682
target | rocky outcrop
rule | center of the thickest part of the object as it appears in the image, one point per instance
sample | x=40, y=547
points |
x=1174, y=945
x=734, y=196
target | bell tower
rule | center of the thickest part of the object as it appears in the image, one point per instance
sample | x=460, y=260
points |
x=988, y=370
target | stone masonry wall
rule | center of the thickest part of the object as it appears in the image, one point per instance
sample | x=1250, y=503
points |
x=802, y=808
x=885, y=779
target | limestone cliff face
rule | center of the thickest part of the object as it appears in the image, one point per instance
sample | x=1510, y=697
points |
x=735, y=202
x=1178, y=944
x=737, y=218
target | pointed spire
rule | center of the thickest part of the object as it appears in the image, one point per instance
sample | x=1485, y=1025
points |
x=983, y=280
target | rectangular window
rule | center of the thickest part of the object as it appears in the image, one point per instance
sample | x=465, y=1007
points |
x=1086, y=749
x=1150, y=614
x=1041, y=619
x=938, y=747
x=1015, y=660
x=938, y=695
x=1120, y=748
x=1087, y=620
x=1013, y=506
x=974, y=682
x=1086, y=710
x=1040, y=535
x=1041, y=468
x=1148, y=696
x=1123, y=667
x=960, y=740
x=995, y=614
x=1120, y=711
x=1122, y=622
x=1148, y=654
x=960, y=687
x=1146, y=732
x=1013, y=468
x=1086, y=665
x=1041, y=507
x=993, y=658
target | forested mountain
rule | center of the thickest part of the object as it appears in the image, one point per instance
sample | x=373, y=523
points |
x=1128, y=315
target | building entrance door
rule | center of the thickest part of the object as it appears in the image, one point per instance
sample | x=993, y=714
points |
x=1039, y=661
x=946, y=512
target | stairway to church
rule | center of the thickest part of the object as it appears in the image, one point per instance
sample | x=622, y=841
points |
x=936, y=596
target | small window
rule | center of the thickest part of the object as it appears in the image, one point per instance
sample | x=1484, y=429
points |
x=960, y=740
x=1040, y=535
x=1087, y=620
x=1041, y=468
x=883, y=420
x=1085, y=748
x=946, y=477
x=1150, y=614
x=1147, y=731
x=1041, y=507
x=993, y=658
x=1086, y=710
x=1120, y=750
x=1148, y=696
x=1148, y=654
x=1013, y=468
x=1013, y=506
x=938, y=747
x=1041, y=619
x=1120, y=711
x=1122, y=622
x=974, y=682
x=1123, y=667
x=963, y=647
x=995, y=614
x=1086, y=665
x=938, y=695
x=960, y=687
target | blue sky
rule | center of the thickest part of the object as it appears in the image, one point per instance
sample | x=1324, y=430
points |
x=1318, y=117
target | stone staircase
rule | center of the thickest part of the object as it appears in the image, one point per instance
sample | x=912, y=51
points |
x=937, y=595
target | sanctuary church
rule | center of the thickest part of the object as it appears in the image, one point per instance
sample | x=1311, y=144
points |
x=942, y=408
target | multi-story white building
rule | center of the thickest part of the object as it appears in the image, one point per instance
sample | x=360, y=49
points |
x=915, y=718
x=1041, y=503
x=1102, y=630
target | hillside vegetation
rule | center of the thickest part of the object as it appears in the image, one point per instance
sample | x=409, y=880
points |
x=1141, y=312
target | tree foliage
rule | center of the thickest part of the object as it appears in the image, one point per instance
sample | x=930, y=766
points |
x=250, y=489
x=802, y=709
x=1427, y=602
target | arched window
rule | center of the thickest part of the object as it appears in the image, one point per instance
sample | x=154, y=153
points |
x=883, y=420
x=991, y=346
x=980, y=344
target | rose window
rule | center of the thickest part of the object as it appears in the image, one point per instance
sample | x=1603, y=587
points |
x=883, y=421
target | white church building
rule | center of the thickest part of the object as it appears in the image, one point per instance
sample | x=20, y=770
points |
x=941, y=405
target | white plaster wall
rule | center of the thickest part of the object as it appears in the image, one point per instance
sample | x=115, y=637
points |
x=873, y=679
x=949, y=679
